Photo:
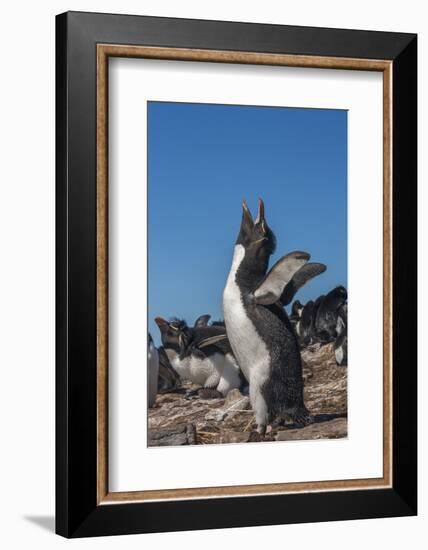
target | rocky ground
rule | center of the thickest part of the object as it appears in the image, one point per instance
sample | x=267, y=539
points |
x=180, y=419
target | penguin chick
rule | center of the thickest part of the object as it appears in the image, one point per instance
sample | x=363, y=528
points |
x=260, y=333
x=201, y=355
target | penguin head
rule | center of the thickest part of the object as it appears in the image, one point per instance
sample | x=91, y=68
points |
x=296, y=309
x=340, y=294
x=255, y=233
x=336, y=298
x=174, y=333
x=256, y=237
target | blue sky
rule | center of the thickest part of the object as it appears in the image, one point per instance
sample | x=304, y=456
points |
x=203, y=160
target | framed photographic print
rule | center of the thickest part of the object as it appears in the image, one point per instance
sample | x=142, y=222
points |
x=236, y=274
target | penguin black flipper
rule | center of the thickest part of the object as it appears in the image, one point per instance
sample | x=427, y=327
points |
x=222, y=346
x=300, y=278
x=271, y=288
x=208, y=340
x=212, y=340
x=201, y=333
x=202, y=321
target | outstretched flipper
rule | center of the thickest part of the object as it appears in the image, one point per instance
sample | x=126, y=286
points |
x=300, y=278
x=273, y=285
x=202, y=321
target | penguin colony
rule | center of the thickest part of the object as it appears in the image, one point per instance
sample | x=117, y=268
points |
x=323, y=321
x=257, y=347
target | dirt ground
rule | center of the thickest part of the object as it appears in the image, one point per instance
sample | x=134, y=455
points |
x=179, y=419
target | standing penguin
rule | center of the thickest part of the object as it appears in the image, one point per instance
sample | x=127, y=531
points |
x=328, y=313
x=152, y=371
x=260, y=333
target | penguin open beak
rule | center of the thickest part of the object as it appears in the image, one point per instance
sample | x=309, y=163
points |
x=247, y=223
x=246, y=214
x=260, y=220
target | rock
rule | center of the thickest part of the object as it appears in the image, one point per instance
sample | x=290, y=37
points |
x=216, y=415
x=333, y=429
x=242, y=404
x=233, y=396
x=255, y=437
x=178, y=420
x=234, y=402
x=180, y=435
x=235, y=437
x=191, y=434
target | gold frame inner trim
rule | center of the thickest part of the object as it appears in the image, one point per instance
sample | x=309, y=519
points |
x=104, y=51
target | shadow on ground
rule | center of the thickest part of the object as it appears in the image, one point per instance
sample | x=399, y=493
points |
x=45, y=522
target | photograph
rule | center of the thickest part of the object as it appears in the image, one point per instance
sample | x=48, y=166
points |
x=203, y=201
x=247, y=260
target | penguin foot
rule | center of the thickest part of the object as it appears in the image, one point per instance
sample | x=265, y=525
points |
x=302, y=417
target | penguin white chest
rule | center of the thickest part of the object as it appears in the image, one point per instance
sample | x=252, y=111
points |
x=248, y=347
x=339, y=355
x=199, y=371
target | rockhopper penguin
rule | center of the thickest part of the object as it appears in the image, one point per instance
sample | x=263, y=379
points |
x=260, y=333
x=201, y=354
x=328, y=314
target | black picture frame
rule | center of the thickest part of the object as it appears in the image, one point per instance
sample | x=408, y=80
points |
x=77, y=511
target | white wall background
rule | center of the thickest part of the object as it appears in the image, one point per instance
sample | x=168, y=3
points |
x=27, y=270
